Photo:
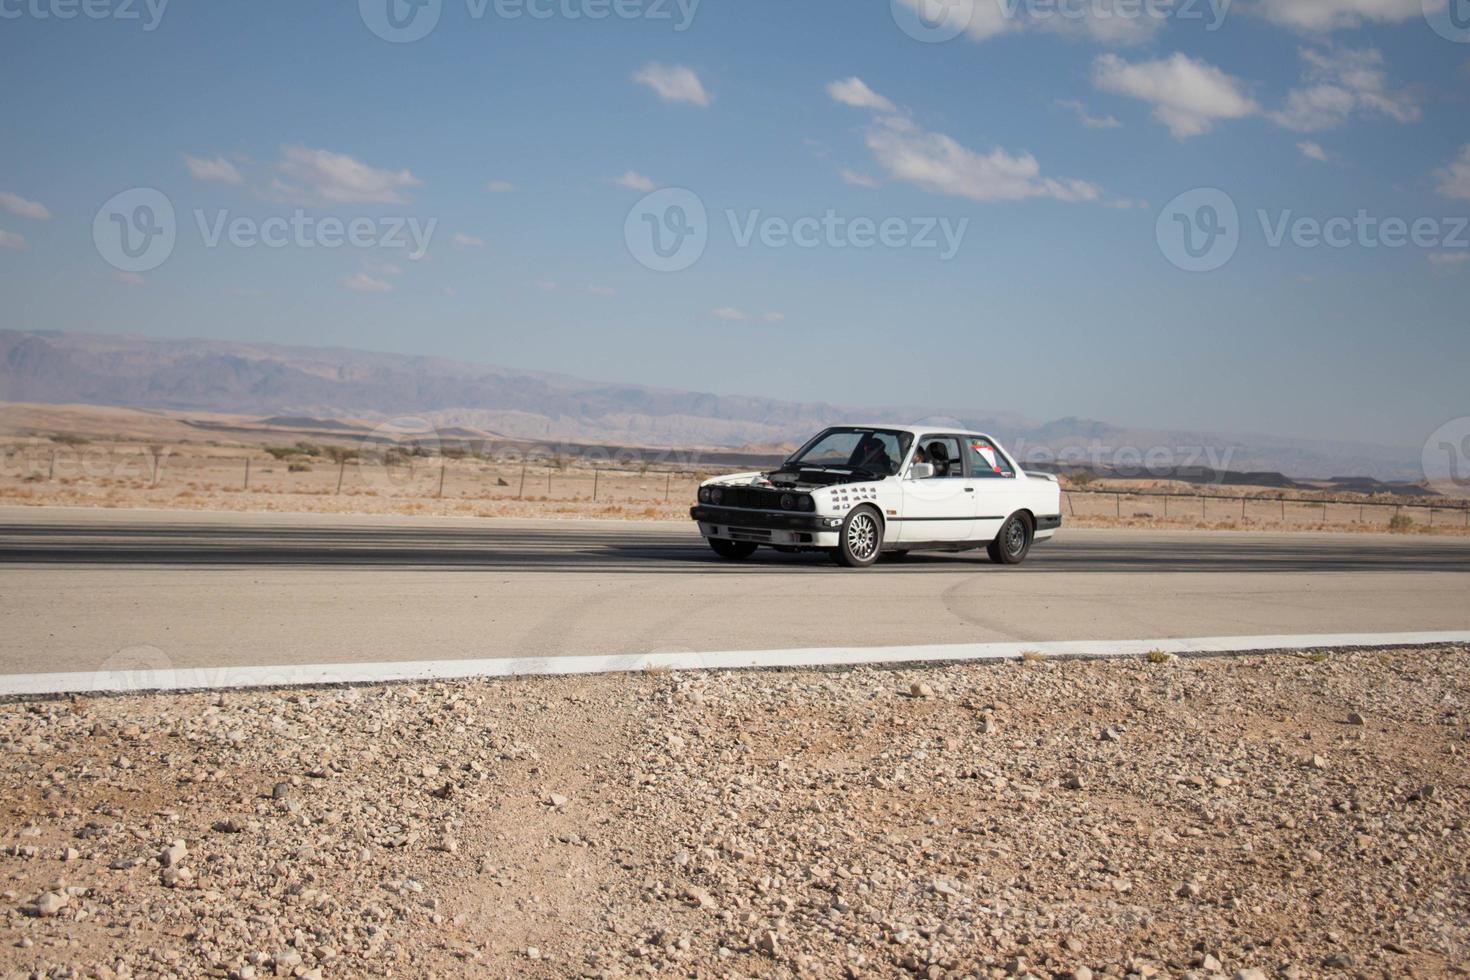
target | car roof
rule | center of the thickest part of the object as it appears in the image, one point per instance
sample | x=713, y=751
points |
x=916, y=430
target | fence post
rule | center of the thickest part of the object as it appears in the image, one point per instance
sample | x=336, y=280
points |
x=341, y=471
x=1166, y=505
x=1283, y=509
x=1117, y=505
x=51, y=472
x=522, y=491
x=1202, y=500
x=668, y=486
x=1242, y=508
x=443, y=463
x=247, y=474
x=595, y=474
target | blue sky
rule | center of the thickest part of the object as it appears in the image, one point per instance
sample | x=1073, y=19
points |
x=1056, y=143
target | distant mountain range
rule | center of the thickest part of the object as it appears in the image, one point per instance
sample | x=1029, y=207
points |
x=56, y=367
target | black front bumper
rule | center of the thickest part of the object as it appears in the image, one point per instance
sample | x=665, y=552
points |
x=768, y=520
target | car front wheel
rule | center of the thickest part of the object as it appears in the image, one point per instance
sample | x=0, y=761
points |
x=1013, y=542
x=733, y=550
x=861, y=539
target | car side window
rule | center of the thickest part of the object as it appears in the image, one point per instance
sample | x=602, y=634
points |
x=943, y=452
x=986, y=460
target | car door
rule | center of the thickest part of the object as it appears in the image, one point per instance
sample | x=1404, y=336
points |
x=996, y=493
x=941, y=507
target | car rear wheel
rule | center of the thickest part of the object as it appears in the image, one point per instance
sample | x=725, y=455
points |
x=1013, y=542
x=733, y=550
x=861, y=539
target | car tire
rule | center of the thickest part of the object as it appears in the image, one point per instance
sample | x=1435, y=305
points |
x=732, y=550
x=1013, y=541
x=860, y=541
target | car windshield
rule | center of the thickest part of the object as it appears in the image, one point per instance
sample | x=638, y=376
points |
x=877, y=451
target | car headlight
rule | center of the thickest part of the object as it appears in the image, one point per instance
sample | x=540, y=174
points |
x=704, y=495
x=788, y=502
x=716, y=495
x=805, y=502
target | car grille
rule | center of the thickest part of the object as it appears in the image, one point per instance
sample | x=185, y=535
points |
x=754, y=498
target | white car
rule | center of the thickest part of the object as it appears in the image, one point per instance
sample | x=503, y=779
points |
x=859, y=492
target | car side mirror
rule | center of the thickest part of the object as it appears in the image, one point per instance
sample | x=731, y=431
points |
x=921, y=471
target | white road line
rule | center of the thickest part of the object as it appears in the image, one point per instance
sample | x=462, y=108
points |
x=154, y=678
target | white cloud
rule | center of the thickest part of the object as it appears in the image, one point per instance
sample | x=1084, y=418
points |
x=1090, y=121
x=23, y=208
x=1328, y=15
x=1126, y=204
x=1454, y=179
x=635, y=181
x=500, y=187
x=673, y=83
x=855, y=92
x=1448, y=260
x=377, y=267
x=129, y=278
x=1188, y=96
x=940, y=165
x=364, y=283
x=602, y=291
x=219, y=169
x=1337, y=82
x=466, y=241
x=1312, y=151
x=980, y=19
x=736, y=315
x=13, y=240
x=858, y=180
x=310, y=176
x=1114, y=22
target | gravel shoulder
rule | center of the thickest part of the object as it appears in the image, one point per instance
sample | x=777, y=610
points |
x=1300, y=815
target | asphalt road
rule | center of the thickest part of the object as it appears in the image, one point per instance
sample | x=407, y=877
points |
x=78, y=588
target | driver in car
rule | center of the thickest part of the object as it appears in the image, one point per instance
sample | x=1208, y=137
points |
x=871, y=454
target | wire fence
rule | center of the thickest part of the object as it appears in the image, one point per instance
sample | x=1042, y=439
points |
x=539, y=478
x=1221, y=508
x=439, y=477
